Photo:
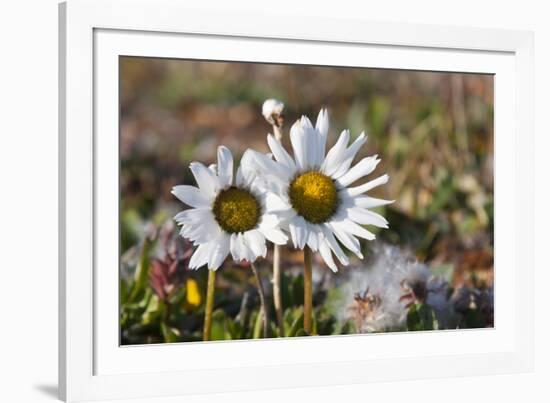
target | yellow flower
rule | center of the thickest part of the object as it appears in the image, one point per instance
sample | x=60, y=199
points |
x=193, y=297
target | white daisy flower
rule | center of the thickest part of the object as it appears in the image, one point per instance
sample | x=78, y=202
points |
x=228, y=214
x=312, y=192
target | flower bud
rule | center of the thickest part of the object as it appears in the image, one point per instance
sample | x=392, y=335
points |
x=272, y=110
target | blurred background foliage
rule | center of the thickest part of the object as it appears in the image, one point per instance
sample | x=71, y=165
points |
x=433, y=131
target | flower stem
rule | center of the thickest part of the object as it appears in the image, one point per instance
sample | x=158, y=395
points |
x=262, y=298
x=277, y=299
x=308, y=290
x=209, y=305
x=278, y=133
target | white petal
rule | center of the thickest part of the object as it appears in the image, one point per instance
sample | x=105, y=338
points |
x=225, y=167
x=256, y=242
x=367, y=217
x=191, y=196
x=322, y=126
x=362, y=168
x=344, y=200
x=239, y=250
x=205, y=178
x=219, y=251
x=248, y=254
x=349, y=155
x=258, y=165
x=348, y=240
x=298, y=139
x=198, y=225
x=335, y=154
x=248, y=170
x=274, y=235
x=269, y=226
x=369, y=202
x=298, y=231
x=357, y=230
x=280, y=153
x=200, y=257
x=274, y=204
x=235, y=247
x=269, y=221
x=303, y=138
x=269, y=184
x=314, y=231
x=312, y=145
x=193, y=216
x=306, y=123
x=329, y=236
x=244, y=179
x=324, y=250
x=365, y=187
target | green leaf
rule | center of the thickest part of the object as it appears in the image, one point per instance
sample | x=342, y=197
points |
x=141, y=275
x=218, y=325
x=298, y=322
x=233, y=329
x=274, y=329
x=324, y=322
x=152, y=310
x=258, y=326
x=170, y=334
x=124, y=292
x=249, y=328
x=421, y=317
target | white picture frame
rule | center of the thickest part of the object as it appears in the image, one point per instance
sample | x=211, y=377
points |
x=92, y=365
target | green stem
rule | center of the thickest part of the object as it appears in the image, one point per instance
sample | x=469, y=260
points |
x=308, y=290
x=262, y=298
x=209, y=305
x=277, y=300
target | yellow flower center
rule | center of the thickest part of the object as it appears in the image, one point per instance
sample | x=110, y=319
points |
x=236, y=210
x=314, y=196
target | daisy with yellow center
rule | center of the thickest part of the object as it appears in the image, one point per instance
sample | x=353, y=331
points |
x=227, y=216
x=312, y=196
x=311, y=192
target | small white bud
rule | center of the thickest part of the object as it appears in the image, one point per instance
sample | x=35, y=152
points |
x=272, y=110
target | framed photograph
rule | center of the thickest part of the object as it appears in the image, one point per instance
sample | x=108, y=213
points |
x=250, y=202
